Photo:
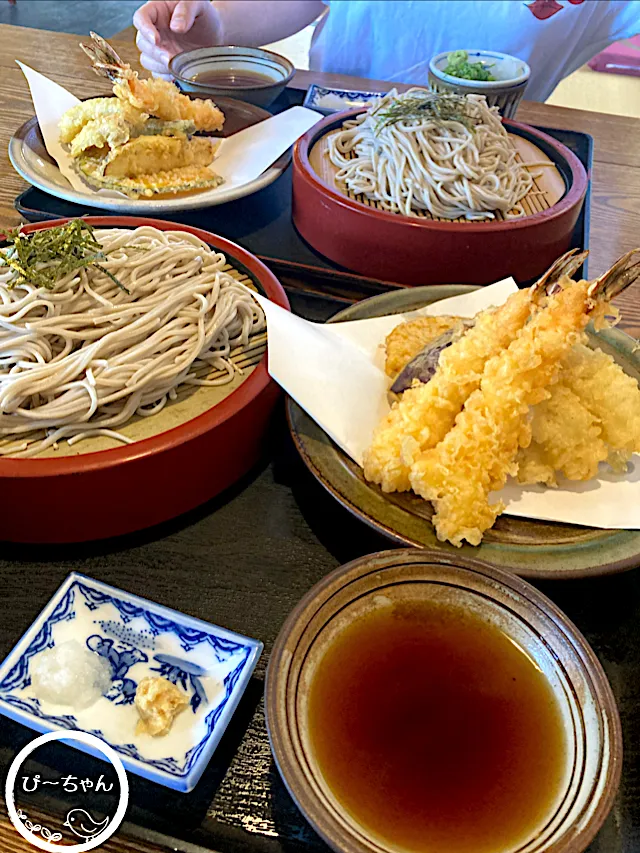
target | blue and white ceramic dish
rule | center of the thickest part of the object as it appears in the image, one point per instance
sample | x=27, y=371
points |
x=328, y=101
x=138, y=639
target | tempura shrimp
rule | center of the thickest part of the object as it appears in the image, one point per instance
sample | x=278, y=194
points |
x=479, y=453
x=156, y=97
x=425, y=413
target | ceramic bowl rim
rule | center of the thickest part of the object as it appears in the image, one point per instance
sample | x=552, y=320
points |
x=227, y=51
x=279, y=725
x=488, y=85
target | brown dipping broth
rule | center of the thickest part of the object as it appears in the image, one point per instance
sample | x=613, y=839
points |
x=435, y=731
x=228, y=78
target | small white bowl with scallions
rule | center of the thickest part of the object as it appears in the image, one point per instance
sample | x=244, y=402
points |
x=498, y=76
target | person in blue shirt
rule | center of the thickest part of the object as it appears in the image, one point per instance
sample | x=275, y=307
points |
x=395, y=40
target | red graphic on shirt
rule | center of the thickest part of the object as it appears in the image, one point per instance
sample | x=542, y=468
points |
x=543, y=9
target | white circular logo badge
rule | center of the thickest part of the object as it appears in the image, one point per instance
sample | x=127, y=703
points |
x=80, y=824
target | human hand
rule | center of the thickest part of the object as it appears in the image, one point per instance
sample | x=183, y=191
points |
x=168, y=27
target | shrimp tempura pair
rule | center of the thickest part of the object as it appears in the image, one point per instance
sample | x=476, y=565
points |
x=480, y=452
x=425, y=413
x=526, y=374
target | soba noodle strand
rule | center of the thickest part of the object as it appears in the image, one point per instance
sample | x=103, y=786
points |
x=83, y=358
x=448, y=167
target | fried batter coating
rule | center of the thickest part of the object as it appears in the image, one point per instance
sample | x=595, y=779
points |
x=426, y=413
x=163, y=99
x=110, y=131
x=610, y=394
x=95, y=109
x=408, y=339
x=146, y=155
x=534, y=467
x=566, y=437
x=158, y=702
x=479, y=453
x=115, y=143
x=156, y=97
x=183, y=179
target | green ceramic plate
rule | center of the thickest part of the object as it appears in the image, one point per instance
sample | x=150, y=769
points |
x=528, y=548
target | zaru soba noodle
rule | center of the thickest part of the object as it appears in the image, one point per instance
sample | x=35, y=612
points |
x=446, y=154
x=82, y=354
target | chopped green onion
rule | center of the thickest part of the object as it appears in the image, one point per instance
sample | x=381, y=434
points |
x=435, y=106
x=44, y=257
x=458, y=65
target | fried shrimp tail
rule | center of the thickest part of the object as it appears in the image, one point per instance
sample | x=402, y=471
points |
x=426, y=413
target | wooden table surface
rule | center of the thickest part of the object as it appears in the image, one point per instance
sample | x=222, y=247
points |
x=246, y=558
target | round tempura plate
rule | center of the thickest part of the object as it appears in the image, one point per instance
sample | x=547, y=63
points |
x=533, y=623
x=359, y=235
x=30, y=159
x=189, y=452
x=528, y=547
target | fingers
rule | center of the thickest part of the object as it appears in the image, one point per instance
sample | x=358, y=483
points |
x=158, y=69
x=145, y=20
x=184, y=15
x=153, y=57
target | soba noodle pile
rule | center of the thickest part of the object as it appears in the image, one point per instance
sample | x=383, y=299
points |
x=447, y=154
x=85, y=356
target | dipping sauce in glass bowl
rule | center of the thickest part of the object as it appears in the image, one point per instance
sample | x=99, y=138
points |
x=247, y=73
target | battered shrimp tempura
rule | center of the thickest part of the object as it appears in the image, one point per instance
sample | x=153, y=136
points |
x=426, y=413
x=479, y=453
x=156, y=97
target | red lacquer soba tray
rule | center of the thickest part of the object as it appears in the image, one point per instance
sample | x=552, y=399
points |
x=102, y=494
x=412, y=250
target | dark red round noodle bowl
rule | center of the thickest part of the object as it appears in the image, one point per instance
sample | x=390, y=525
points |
x=110, y=492
x=411, y=250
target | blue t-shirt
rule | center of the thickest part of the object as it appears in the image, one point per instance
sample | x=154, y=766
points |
x=395, y=39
